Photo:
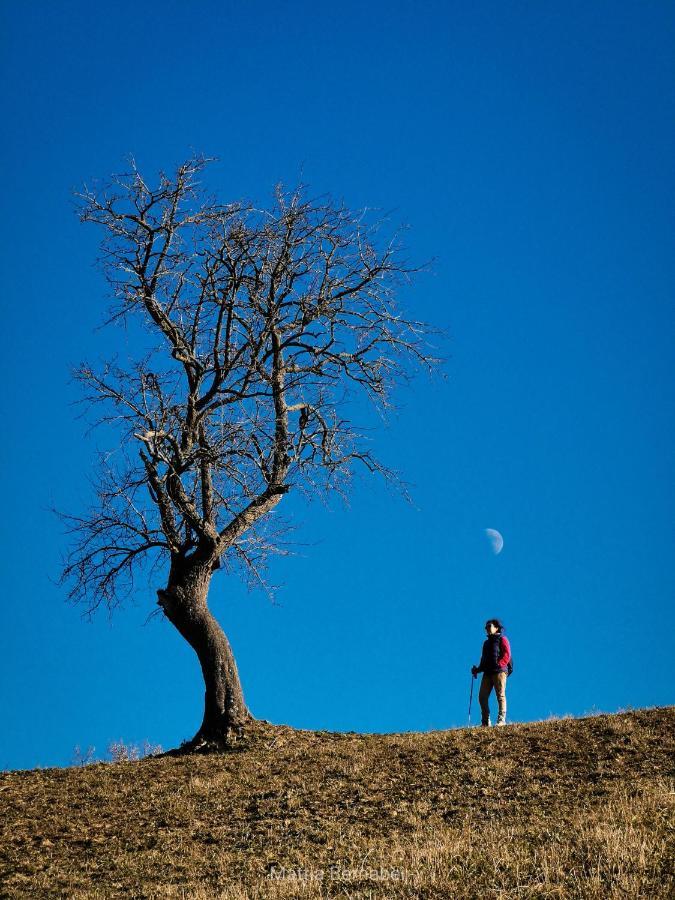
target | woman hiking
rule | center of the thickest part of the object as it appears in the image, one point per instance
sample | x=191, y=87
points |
x=494, y=664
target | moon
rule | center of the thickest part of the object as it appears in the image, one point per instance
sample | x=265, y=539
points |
x=496, y=540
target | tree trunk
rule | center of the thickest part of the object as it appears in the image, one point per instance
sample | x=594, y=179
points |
x=184, y=602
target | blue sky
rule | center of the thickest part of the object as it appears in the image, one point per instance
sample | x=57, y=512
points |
x=529, y=146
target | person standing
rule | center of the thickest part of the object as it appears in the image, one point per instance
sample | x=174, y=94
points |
x=494, y=664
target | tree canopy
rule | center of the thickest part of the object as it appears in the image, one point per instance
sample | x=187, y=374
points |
x=262, y=326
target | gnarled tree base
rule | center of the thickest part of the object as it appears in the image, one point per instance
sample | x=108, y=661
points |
x=229, y=737
x=254, y=732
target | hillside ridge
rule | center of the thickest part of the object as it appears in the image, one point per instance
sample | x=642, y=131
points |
x=573, y=807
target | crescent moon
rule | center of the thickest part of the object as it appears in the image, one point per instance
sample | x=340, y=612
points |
x=496, y=540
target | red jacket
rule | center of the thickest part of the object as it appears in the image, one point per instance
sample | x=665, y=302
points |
x=505, y=653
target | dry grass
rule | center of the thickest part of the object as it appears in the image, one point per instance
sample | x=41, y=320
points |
x=567, y=808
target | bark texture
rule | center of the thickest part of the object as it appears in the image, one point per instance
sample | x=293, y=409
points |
x=184, y=603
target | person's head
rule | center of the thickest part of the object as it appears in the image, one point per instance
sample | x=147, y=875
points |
x=493, y=626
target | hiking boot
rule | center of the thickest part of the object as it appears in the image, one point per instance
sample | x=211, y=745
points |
x=486, y=724
x=501, y=721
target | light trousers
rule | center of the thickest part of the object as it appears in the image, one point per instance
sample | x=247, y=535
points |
x=496, y=680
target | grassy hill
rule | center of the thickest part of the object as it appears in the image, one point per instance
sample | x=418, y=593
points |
x=563, y=808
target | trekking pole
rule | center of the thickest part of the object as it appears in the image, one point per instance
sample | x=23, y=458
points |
x=470, y=699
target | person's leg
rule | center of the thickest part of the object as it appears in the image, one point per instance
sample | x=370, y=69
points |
x=483, y=694
x=500, y=691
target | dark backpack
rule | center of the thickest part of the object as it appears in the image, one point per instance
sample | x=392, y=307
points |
x=509, y=666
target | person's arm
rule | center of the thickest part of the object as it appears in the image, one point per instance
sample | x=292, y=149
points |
x=505, y=651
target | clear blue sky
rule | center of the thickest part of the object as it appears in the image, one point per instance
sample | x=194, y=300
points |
x=530, y=146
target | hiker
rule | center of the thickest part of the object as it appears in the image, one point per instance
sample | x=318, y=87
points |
x=494, y=664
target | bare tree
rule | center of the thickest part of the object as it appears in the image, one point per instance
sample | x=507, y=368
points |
x=258, y=328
